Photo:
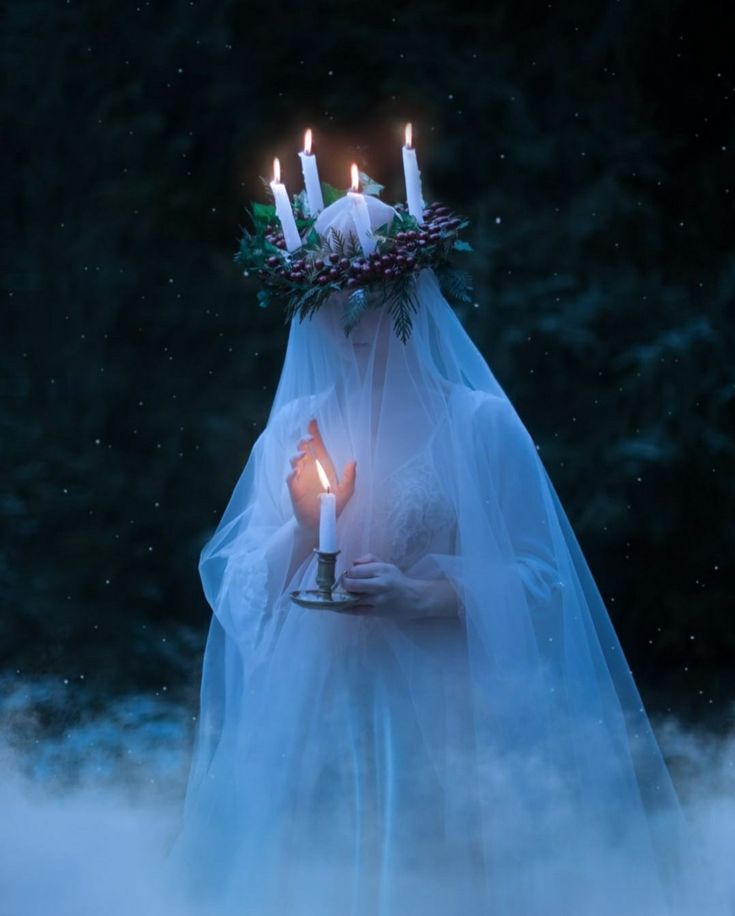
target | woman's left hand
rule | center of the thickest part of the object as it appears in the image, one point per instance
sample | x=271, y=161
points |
x=383, y=589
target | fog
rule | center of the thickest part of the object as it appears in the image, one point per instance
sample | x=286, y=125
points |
x=90, y=812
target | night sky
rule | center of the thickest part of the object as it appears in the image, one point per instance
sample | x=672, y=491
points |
x=590, y=144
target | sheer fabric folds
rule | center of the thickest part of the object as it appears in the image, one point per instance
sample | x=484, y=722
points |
x=496, y=762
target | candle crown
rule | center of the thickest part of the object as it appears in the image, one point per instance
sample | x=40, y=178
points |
x=358, y=251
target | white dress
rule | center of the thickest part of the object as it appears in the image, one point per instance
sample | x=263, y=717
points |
x=372, y=821
x=350, y=765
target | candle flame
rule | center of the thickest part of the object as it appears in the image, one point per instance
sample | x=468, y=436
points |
x=307, y=141
x=409, y=135
x=276, y=170
x=355, y=175
x=322, y=475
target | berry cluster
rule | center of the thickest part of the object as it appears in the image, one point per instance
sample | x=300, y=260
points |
x=396, y=255
x=342, y=271
x=304, y=279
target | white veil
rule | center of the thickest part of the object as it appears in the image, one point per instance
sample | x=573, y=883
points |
x=530, y=735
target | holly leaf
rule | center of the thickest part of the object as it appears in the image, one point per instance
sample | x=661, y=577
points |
x=330, y=193
x=461, y=245
x=368, y=185
x=263, y=214
x=264, y=298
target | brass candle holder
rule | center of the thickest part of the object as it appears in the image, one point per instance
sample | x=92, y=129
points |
x=326, y=597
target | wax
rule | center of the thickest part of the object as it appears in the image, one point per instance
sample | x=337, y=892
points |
x=314, y=198
x=283, y=210
x=328, y=523
x=361, y=220
x=413, y=179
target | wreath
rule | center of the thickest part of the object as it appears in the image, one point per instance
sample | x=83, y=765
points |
x=301, y=281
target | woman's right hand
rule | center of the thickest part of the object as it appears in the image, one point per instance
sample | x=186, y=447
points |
x=304, y=485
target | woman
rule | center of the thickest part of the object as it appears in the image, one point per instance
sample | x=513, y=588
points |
x=467, y=738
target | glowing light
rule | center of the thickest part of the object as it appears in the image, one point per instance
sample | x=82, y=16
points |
x=277, y=170
x=355, y=175
x=322, y=475
x=307, y=141
x=409, y=135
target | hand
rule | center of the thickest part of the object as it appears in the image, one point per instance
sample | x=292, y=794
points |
x=303, y=482
x=384, y=590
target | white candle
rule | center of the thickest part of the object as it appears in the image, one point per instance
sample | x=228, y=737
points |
x=283, y=210
x=327, y=515
x=311, y=178
x=360, y=215
x=413, y=178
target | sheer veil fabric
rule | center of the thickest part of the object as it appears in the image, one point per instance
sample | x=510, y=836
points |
x=496, y=762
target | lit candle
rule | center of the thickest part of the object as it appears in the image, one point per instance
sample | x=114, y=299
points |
x=360, y=214
x=311, y=177
x=413, y=178
x=283, y=209
x=327, y=514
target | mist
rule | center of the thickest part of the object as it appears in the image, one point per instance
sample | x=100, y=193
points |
x=92, y=810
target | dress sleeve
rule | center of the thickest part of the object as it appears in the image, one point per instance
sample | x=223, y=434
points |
x=243, y=567
x=518, y=483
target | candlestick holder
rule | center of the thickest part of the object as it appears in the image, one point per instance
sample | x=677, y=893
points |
x=325, y=597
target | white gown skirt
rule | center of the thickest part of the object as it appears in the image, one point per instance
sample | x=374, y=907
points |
x=344, y=784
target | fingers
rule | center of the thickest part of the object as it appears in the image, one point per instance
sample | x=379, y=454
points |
x=347, y=484
x=365, y=571
x=363, y=586
x=367, y=558
x=316, y=436
x=317, y=449
x=297, y=459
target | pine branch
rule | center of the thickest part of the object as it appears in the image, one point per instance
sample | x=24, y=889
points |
x=402, y=304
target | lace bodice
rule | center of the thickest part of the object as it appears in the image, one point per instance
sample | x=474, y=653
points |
x=412, y=517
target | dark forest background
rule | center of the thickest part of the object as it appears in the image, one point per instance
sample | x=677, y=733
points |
x=590, y=143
